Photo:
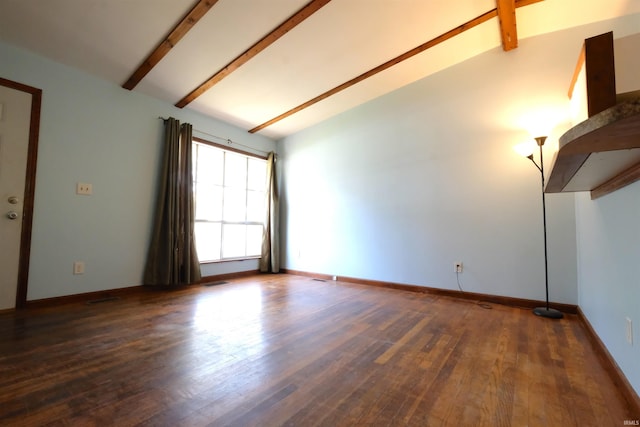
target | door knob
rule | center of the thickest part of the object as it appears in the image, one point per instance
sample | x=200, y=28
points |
x=13, y=200
x=12, y=215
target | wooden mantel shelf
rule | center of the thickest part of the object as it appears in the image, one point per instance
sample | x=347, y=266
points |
x=601, y=154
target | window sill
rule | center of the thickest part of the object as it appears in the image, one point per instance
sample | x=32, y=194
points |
x=222, y=261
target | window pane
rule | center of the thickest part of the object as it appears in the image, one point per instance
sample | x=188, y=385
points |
x=229, y=191
x=235, y=170
x=254, y=240
x=234, y=204
x=234, y=240
x=208, y=240
x=257, y=175
x=208, y=202
x=210, y=165
x=255, y=206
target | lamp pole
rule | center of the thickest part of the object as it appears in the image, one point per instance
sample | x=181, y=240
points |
x=544, y=311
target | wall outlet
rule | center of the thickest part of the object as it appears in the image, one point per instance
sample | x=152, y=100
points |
x=457, y=267
x=78, y=267
x=84, y=189
x=334, y=278
x=629, y=331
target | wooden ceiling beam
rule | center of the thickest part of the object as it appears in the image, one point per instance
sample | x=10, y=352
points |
x=507, y=19
x=179, y=31
x=416, y=50
x=304, y=13
x=431, y=43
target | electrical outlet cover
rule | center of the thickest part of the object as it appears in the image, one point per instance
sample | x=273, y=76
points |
x=84, y=189
x=78, y=267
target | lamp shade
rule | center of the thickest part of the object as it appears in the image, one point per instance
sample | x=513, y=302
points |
x=525, y=149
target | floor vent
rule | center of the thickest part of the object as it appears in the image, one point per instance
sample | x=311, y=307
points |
x=319, y=280
x=101, y=300
x=221, y=282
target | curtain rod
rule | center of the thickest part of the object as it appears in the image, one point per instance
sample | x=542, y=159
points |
x=227, y=140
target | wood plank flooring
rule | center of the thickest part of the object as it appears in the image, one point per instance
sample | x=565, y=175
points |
x=283, y=350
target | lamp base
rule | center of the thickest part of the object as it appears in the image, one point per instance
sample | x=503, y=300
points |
x=551, y=313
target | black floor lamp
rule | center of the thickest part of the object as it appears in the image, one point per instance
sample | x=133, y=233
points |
x=544, y=311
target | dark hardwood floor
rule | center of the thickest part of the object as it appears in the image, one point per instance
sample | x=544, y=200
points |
x=278, y=350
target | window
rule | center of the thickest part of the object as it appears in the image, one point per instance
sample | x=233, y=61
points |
x=229, y=192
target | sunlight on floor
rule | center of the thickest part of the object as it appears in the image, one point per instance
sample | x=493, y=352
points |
x=231, y=318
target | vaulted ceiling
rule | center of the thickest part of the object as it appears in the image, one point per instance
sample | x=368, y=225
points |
x=279, y=66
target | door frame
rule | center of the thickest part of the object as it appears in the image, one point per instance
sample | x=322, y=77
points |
x=29, y=188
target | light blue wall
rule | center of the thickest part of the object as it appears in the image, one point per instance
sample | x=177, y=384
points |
x=96, y=132
x=402, y=187
x=609, y=271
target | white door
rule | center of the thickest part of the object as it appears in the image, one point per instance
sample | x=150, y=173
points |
x=15, y=118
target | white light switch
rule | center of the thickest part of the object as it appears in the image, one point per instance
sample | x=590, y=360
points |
x=84, y=189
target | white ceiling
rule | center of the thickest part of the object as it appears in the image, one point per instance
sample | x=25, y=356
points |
x=345, y=38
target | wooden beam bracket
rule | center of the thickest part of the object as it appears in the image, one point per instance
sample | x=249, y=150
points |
x=507, y=20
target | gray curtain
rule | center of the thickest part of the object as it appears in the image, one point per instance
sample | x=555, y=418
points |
x=172, y=258
x=270, y=256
